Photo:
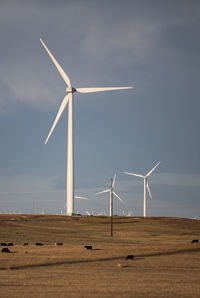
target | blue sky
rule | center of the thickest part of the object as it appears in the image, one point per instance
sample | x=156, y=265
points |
x=151, y=45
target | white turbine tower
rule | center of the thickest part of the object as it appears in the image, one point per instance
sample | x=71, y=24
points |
x=146, y=185
x=68, y=99
x=111, y=191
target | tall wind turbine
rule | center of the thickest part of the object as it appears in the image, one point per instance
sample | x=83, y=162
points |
x=68, y=99
x=146, y=185
x=111, y=191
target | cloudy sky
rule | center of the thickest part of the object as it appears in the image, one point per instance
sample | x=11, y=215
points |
x=153, y=46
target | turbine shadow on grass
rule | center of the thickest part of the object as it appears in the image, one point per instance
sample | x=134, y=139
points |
x=102, y=260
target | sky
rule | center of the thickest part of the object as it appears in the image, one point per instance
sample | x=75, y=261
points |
x=151, y=45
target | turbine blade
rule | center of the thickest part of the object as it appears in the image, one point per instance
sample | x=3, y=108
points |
x=103, y=191
x=100, y=89
x=118, y=197
x=60, y=111
x=80, y=198
x=148, y=188
x=133, y=174
x=59, y=68
x=148, y=174
x=113, y=183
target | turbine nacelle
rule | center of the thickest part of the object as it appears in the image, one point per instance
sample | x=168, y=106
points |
x=70, y=90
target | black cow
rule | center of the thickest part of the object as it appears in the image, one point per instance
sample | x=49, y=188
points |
x=195, y=241
x=3, y=244
x=39, y=243
x=5, y=249
x=130, y=257
x=10, y=244
x=25, y=243
x=88, y=247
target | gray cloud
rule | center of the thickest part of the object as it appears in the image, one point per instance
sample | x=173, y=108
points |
x=105, y=42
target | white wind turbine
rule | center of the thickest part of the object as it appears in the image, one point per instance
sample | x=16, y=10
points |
x=146, y=185
x=68, y=99
x=111, y=191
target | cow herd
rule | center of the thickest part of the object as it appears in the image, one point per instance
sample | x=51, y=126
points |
x=26, y=244
x=5, y=245
x=5, y=249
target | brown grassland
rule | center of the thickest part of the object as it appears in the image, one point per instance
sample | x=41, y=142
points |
x=166, y=263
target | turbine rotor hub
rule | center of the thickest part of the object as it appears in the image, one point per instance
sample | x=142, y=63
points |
x=70, y=90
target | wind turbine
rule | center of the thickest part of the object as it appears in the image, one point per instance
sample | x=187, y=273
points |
x=146, y=185
x=89, y=214
x=111, y=191
x=68, y=99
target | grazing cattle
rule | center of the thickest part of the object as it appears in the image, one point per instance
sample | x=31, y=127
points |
x=58, y=243
x=25, y=243
x=88, y=247
x=130, y=257
x=10, y=244
x=195, y=241
x=3, y=244
x=39, y=243
x=5, y=249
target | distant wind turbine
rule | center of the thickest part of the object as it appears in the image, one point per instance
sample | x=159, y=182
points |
x=146, y=185
x=89, y=214
x=111, y=191
x=128, y=213
x=68, y=99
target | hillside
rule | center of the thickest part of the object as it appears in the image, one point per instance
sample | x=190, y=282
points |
x=165, y=263
x=54, y=228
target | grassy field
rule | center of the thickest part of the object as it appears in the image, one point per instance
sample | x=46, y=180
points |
x=166, y=263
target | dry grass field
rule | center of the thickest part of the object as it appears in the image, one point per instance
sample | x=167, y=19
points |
x=166, y=263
